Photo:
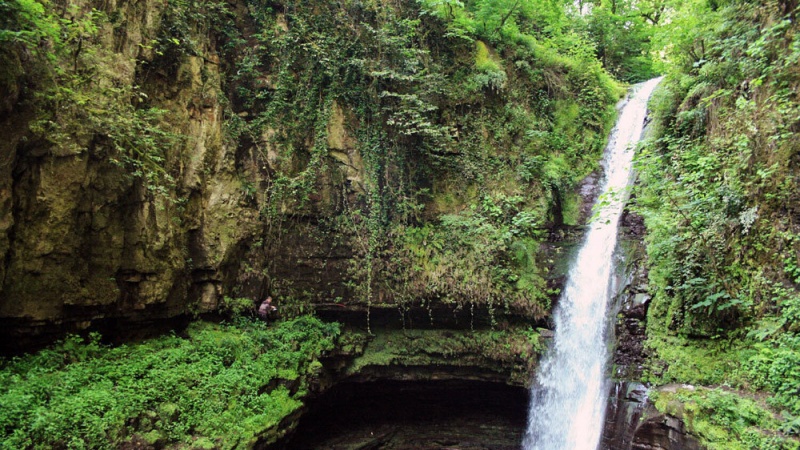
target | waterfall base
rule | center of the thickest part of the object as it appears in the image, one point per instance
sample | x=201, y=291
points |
x=412, y=415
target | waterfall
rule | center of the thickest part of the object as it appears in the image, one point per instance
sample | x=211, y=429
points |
x=569, y=394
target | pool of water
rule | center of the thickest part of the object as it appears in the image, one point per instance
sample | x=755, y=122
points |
x=466, y=415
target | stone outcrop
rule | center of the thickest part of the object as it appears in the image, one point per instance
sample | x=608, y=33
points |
x=626, y=404
x=663, y=432
x=633, y=423
x=86, y=245
x=631, y=302
x=88, y=242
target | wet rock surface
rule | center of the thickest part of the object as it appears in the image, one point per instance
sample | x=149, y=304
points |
x=663, y=432
x=632, y=301
x=626, y=404
x=630, y=328
x=633, y=423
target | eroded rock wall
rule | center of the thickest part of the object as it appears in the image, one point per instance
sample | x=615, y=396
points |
x=160, y=157
x=84, y=240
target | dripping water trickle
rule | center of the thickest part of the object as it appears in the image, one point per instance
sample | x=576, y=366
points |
x=569, y=394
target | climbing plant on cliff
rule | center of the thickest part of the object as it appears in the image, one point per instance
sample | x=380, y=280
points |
x=719, y=195
x=407, y=101
x=82, y=103
x=27, y=22
x=727, y=139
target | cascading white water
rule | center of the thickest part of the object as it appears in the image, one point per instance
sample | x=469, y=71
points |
x=568, y=397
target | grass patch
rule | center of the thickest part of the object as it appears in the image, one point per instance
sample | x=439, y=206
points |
x=704, y=362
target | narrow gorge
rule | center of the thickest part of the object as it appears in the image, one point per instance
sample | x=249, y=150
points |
x=411, y=184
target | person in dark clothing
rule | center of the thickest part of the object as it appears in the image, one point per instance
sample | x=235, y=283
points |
x=266, y=308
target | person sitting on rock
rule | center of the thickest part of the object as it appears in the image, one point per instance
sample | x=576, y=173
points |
x=266, y=308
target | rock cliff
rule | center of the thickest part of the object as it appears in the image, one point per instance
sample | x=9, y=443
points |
x=159, y=158
x=85, y=241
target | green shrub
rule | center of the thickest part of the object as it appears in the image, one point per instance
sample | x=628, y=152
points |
x=718, y=193
x=224, y=384
x=775, y=366
x=237, y=307
x=724, y=420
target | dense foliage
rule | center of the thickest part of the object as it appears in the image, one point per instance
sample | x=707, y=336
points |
x=719, y=194
x=222, y=386
x=725, y=420
x=469, y=124
x=620, y=34
x=370, y=117
x=511, y=352
x=440, y=141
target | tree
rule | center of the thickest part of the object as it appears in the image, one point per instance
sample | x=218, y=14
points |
x=622, y=37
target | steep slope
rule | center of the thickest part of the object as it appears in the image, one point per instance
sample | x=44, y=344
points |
x=161, y=158
x=719, y=193
x=408, y=169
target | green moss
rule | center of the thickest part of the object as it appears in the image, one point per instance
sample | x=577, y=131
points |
x=152, y=437
x=722, y=249
x=695, y=362
x=572, y=208
x=566, y=117
x=513, y=351
x=484, y=60
x=204, y=444
x=724, y=420
x=485, y=255
x=450, y=196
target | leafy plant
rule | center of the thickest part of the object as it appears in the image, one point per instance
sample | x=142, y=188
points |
x=717, y=190
x=225, y=384
x=724, y=420
x=27, y=22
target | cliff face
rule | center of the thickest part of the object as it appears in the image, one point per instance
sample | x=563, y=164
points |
x=717, y=190
x=160, y=157
x=82, y=237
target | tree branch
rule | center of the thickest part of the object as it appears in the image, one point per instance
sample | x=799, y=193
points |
x=506, y=17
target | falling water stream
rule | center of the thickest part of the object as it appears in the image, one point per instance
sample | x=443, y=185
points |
x=568, y=397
